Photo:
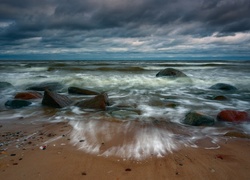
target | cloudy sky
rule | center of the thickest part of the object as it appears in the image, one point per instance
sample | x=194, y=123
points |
x=125, y=29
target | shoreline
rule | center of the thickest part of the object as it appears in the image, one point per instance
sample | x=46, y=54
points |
x=25, y=159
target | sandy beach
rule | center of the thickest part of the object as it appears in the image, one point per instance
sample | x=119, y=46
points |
x=44, y=151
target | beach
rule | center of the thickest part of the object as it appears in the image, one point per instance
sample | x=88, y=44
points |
x=25, y=158
x=124, y=120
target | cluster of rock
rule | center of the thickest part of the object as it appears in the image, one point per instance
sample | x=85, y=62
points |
x=53, y=99
x=195, y=118
x=100, y=100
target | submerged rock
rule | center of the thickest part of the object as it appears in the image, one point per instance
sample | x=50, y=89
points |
x=170, y=72
x=124, y=114
x=28, y=95
x=52, y=86
x=76, y=90
x=220, y=98
x=53, y=99
x=233, y=116
x=98, y=102
x=237, y=134
x=5, y=85
x=198, y=119
x=15, y=104
x=223, y=87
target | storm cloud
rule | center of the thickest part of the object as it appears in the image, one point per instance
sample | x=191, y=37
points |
x=125, y=29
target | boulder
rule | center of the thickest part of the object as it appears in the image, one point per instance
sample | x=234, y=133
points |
x=98, y=102
x=233, y=116
x=52, y=86
x=198, y=119
x=5, y=85
x=76, y=90
x=28, y=95
x=53, y=99
x=15, y=104
x=223, y=87
x=170, y=72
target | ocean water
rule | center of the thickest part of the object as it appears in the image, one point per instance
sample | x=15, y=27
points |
x=149, y=120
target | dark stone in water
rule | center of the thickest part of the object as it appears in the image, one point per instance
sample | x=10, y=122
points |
x=28, y=95
x=220, y=98
x=233, y=116
x=53, y=99
x=170, y=72
x=98, y=102
x=159, y=103
x=5, y=85
x=223, y=87
x=52, y=86
x=198, y=119
x=15, y=104
x=76, y=90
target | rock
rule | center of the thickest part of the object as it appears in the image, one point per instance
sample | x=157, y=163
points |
x=237, y=134
x=98, y=102
x=15, y=104
x=220, y=98
x=124, y=114
x=160, y=103
x=28, y=95
x=52, y=86
x=76, y=90
x=5, y=85
x=233, y=116
x=53, y=99
x=198, y=119
x=170, y=72
x=223, y=87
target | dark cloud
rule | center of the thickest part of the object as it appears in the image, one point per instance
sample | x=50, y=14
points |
x=92, y=23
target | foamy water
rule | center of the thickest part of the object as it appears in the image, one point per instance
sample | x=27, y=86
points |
x=145, y=127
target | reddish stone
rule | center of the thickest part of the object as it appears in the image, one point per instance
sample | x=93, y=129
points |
x=233, y=116
x=98, y=102
x=28, y=95
x=220, y=98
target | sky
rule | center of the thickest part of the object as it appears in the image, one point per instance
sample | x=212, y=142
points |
x=125, y=29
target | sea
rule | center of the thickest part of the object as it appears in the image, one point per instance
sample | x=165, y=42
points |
x=145, y=113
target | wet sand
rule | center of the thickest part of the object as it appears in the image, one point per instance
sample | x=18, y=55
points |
x=44, y=151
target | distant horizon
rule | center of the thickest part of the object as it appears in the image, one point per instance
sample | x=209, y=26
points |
x=65, y=57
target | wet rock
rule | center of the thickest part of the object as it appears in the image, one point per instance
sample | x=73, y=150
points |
x=52, y=86
x=233, y=116
x=124, y=114
x=53, y=99
x=5, y=85
x=28, y=95
x=223, y=87
x=159, y=103
x=198, y=119
x=237, y=134
x=220, y=98
x=15, y=104
x=98, y=102
x=170, y=72
x=76, y=90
